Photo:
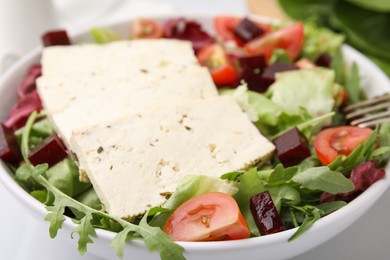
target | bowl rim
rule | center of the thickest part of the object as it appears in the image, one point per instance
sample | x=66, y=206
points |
x=368, y=198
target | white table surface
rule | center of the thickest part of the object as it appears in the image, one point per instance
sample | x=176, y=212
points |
x=23, y=237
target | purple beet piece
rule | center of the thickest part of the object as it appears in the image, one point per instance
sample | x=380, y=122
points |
x=362, y=176
x=20, y=112
x=51, y=151
x=9, y=150
x=292, y=147
x=28, y=83
x=324, y=60
x=251, y=68
x=187, y=30
x=53, y=38
x=265, y=214
x=247, y=30
x=268, y=76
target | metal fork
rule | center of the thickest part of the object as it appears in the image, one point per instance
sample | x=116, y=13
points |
x=370, y=112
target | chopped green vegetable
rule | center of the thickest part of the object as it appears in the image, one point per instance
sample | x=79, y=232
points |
x=104, y=35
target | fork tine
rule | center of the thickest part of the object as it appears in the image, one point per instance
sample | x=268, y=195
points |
x=368, y=109
x=375, y=122
x=370, y=118
x=368, y=102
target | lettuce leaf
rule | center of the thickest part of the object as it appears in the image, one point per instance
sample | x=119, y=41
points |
x=311, y=89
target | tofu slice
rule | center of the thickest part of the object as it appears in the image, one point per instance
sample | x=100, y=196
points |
x=107, y=58
x=134, y=162
x=86, y=101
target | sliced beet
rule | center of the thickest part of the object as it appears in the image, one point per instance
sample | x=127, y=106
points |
x=51, y=151
x=324, y=60
x=53, y=38
x=362, y=176
x=292, y=147
x=20, y=112
x=9, y=149
x=28, y=84
x=265, y=214
x=182, y=29
x=251, y=68
x=247, y=30
x=268, y=76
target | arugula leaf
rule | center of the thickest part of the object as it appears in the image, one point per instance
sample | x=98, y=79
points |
x=56, y=216
x=250, y=184
x=231, y=176
x=85, y=230
x=284, y=194
x=353, y=85
x=154, y=237
x=329, y=207
x=338, y=65
x=323, y=179
x=281, y=175
x=312, y=215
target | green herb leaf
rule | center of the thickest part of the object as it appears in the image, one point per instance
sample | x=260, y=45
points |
x=250, y=184
x=85, y=231
x=323, y=179
x=284, y=194
x=281, y=175
x=353, y=85
x=56, y=216
x=312, y=215
x=329, y=207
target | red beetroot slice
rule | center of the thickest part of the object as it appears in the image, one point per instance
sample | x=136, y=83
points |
x=51, y=151
x=247, y=30
x=265, y=214
x=268, y=76
x=187, y=30
x=20, y=112
x=28, y=84
x=9, y=150
x=53, y=38
x=251, y=68
x=362, y=176
x=324, y=60
x=292, y=147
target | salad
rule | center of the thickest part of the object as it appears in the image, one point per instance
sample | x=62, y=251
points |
x=291, y=81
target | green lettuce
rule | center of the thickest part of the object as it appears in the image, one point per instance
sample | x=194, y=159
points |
x=311, y=89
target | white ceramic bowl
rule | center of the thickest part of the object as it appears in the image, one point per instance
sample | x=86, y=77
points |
x=273, y=246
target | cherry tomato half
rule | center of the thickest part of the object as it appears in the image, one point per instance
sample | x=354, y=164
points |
x=341, y=140
x=146, y=29
x=221, y=68
x=208, y=217
x=289, y=38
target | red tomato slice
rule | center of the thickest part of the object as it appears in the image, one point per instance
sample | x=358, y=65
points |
x=341, y=140
x=221, y=68
x=289, y=38
x=146, y=29
x=208, y=217
x=225, y=25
